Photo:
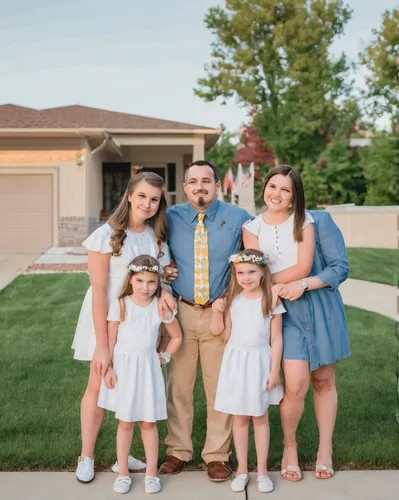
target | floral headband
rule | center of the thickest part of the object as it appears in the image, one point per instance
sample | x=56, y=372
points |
x=141, y=269
x=253, y=259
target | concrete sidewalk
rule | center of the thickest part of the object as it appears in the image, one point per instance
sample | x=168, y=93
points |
x=375, y=297
x=348, y=485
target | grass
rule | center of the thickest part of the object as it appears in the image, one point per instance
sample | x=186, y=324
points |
x=42, y=386
x=380, y=265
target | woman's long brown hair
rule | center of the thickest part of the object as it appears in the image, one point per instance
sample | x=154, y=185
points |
x=127, y=289
x=298, y=201
x=234, y=289
x=119, y=220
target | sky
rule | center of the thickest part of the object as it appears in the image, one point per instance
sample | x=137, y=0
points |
x=133, y=56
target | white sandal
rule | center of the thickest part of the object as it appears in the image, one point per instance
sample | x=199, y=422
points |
x=324, y=468
x=265, y=484
x=239, y=483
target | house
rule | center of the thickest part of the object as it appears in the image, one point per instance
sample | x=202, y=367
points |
x=63, y=170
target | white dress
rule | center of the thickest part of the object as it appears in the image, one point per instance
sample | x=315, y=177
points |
x=139, y=394
x=277, y=242
x=242, y=384
x=134, y=244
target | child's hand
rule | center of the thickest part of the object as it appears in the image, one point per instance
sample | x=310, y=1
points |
x=219, y=306
x=110, y=378
x=273, y=380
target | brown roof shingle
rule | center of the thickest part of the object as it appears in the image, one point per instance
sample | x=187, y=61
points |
x=12, y=116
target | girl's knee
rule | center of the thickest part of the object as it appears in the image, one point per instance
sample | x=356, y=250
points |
x=94, y=383
x=147, y=426
x=125, y=426
x=259, y=421
x=241, y=420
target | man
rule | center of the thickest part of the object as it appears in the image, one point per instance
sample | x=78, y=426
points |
x=202, y=234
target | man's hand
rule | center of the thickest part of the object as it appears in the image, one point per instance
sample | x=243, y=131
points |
x=219, y=305
x=110, y=378
x=101, y=360
x=273, y=380
x=166, y=303
x=292, y=291
x=171, y=272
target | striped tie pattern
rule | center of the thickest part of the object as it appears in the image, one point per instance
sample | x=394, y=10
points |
x=201, y=263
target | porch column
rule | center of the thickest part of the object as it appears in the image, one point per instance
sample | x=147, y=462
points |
x=199, y=149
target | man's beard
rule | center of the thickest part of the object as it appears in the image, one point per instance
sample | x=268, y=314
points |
x=201, y=201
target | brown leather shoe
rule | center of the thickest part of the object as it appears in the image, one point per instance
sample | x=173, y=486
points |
x=219, y=471
x=172, y=465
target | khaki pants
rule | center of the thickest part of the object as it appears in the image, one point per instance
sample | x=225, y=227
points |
x=182, y=374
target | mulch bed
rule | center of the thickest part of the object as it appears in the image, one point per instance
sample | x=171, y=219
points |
x=62, y=268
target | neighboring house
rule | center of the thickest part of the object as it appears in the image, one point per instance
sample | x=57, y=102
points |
x=63, y=170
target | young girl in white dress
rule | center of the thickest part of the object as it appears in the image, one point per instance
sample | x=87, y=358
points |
x=134, y=387
x=138, y=226
x=249, y=379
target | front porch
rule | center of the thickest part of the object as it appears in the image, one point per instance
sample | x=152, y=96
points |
x=109, y=168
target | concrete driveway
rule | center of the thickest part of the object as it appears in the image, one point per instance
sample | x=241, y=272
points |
x=13, y=264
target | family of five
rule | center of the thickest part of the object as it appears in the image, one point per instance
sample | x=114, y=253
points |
x=244, y=314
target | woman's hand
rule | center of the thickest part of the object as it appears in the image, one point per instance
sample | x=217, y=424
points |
x=101, y=360
x=219, y=306
x=110, y=378
x=171, y=272
x=292, y=291
x=273, y=380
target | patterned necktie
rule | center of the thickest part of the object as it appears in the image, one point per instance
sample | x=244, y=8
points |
x=201, y=264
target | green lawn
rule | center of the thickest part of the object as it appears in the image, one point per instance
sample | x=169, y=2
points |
x=42, y=387
x=374, y=264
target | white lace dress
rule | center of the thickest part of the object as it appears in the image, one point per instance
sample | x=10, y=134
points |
x=139, y=394
x=134, y=244
x=242, y=384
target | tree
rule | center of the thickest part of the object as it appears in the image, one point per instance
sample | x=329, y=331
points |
x=314, y=184
x=381, y=58
x=343, y=177
x=253, y=149
x=274, y=56
x=381, y=165
x=223, y=152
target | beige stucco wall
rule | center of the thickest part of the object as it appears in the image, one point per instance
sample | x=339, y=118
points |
x=49, y=153
x=368, y=227
x=94, y=182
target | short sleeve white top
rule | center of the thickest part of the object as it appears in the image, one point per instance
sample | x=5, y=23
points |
x=277, y=241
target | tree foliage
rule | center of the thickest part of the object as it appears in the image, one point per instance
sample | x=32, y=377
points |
x=223, y=153
x=381, y=58
x=274, y=56
x=381, y=165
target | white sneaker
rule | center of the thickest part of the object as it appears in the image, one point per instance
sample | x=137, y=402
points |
x=132, y=464
x=122, y=484
x=152, y=484
x=265, y=484
x=240, y=482
x=85, y=470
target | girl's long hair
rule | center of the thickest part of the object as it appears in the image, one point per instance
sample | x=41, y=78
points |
x=119, y=220
x=234, y=289
x=127, y=289
x=298, y=201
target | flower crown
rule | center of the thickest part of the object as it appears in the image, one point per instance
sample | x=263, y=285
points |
x=253, y=259
x=141, y=269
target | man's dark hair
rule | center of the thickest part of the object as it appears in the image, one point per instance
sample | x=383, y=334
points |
x=205, y=163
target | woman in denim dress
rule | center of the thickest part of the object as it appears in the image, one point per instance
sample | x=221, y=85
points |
x=315, y=334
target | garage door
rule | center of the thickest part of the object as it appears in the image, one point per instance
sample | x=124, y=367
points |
x=26, y=221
